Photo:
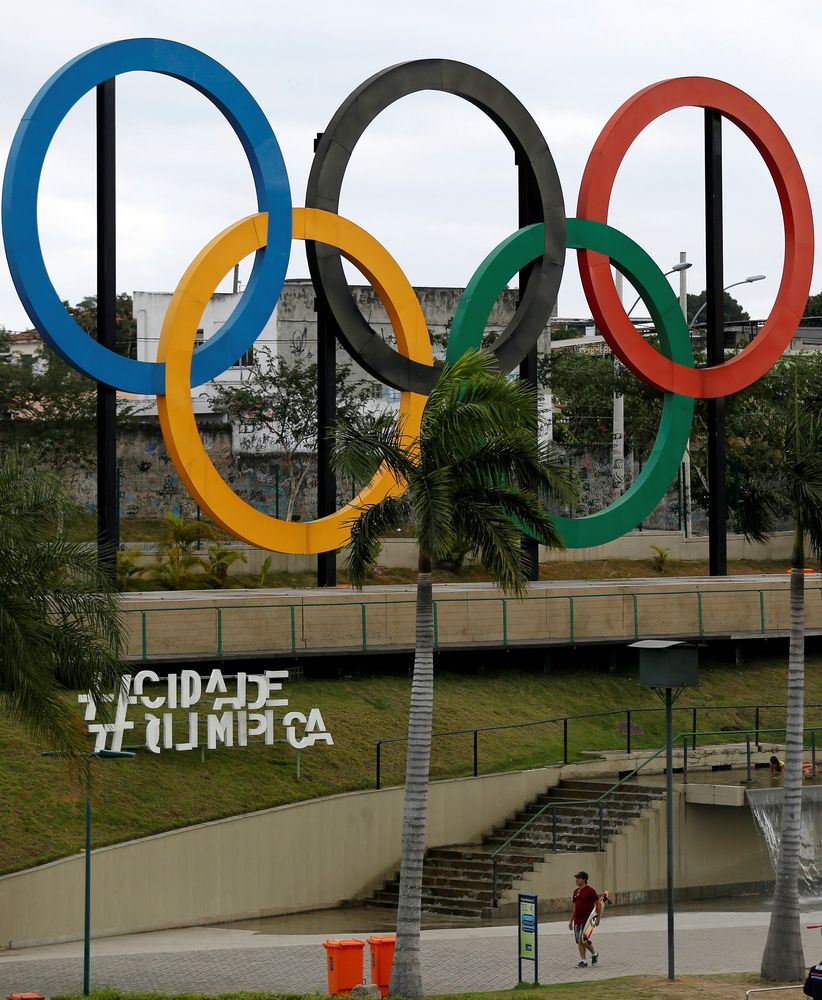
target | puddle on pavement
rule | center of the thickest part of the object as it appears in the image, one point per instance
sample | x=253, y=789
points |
x=363, y=920
x=373, y=920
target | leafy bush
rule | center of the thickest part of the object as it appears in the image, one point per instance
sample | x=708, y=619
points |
x=659, y=560
x=177, y=562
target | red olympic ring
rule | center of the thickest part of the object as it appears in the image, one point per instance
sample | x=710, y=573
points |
x=595, y=194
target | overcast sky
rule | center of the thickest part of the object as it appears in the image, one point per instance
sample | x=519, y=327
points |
x=432, y=178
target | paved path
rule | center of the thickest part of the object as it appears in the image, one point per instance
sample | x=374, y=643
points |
x=213, y=960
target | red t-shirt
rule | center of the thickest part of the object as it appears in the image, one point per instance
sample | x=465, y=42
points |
x=584, y=899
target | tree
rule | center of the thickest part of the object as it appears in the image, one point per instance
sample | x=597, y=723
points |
x=48, y=406
x=583, y=385
x=793, y=483
x=813, y=311
x=60, y=623
x=125, y=325
x=733, y=311
x=279, y=402
x=473, y=477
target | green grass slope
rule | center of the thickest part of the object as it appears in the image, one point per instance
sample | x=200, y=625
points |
x=42, y=805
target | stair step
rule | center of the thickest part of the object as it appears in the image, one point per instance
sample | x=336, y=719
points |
x=442, y=893
x=457, y=878
x=454, y=881
x=455, y=910
x=604, y=786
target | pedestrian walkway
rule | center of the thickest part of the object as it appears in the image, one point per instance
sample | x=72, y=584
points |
x=216, y=959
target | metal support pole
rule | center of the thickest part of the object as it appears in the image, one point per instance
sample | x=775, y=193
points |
x=108, y=534
x=565, y=741
x=529, y=211
x=379, y=755
x=628, y=731
x=669, y=833
x=748, y=756
x=685, y=467
x=87, y=905
x=715, y=342
x=326, y=416
x=476, y=753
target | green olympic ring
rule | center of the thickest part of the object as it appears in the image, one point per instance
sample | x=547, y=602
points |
x=660, y=470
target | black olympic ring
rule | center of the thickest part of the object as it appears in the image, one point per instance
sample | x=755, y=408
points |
x=331, y=158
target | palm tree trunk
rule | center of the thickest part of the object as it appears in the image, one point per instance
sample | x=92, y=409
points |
x=783, y=958
x=406, y=974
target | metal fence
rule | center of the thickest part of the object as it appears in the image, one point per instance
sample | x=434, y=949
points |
x=367, y=625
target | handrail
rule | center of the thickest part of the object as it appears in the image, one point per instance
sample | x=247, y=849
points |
x=813, y=730
x=634, y=596
x=598, y=802
x=565, y=719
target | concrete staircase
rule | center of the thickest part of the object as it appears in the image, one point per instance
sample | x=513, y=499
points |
x=457, y=880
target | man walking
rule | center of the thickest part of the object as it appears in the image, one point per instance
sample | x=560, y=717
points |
x=585, y=898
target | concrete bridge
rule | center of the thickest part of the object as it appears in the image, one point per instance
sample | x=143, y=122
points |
x=265, y=623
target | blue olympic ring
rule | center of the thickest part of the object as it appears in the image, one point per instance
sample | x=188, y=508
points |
x=19, y=208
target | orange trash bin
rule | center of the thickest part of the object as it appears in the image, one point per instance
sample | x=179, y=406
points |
x=25, y=996
x=382, y=958
x=344, y=961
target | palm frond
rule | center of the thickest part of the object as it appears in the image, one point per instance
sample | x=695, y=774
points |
x=60, y=621
x=803, y=437
x=431, y=494
x=367, y=532
x=496, y=539
x=360, y=449
x=760, y=503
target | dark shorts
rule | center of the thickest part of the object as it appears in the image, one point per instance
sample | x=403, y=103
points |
x=578, y=929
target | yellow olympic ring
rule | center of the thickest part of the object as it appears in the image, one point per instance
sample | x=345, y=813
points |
x=176, y=348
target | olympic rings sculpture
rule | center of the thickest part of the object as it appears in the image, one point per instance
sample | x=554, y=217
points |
x=410, y=368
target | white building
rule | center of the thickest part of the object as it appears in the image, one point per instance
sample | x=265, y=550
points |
x=149, y=310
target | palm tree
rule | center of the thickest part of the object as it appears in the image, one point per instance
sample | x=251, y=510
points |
x=794, y=484
x=473, y=479
x=60, y=623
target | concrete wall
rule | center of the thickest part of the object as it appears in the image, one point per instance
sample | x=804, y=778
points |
x=308, y=855
x=318, y=854
x=718, y=851
x=402, y=552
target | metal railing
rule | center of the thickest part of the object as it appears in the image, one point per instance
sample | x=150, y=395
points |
x=599, y=802
x=564, y=627
x=565, y=720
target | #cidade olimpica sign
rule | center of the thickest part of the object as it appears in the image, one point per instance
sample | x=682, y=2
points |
x=231, y=718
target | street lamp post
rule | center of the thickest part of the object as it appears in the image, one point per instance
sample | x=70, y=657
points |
x=685, y=466
x=744, y=281
x=679, y=268
x=668, y=666
x=105, y=754
x=618, y=448
x=715, y=350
